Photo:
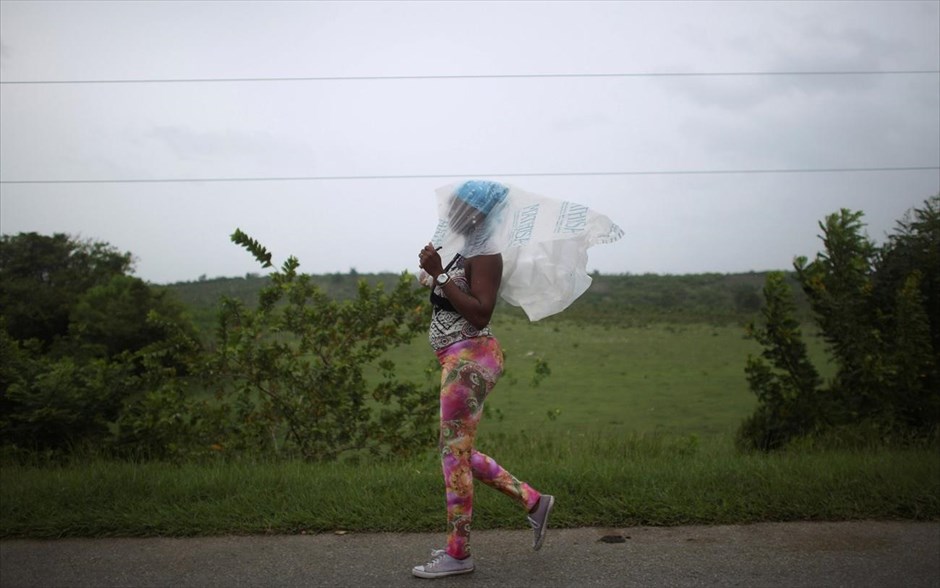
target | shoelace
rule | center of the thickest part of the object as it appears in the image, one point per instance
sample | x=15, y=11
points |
x=437, y=559
x=535, y=524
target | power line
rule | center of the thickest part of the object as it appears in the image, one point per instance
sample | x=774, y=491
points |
x=490, y=175
x=475, y=77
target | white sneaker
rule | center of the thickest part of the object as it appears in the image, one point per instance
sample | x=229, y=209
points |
x=538, y=520
x=442, y=564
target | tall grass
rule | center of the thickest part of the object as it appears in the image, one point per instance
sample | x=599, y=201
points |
x=599, y=480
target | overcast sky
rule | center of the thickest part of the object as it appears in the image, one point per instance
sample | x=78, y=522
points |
x=397, y=132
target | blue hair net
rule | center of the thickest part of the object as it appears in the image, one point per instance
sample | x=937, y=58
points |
x=481, y=194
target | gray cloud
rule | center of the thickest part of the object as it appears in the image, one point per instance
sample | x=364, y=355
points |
x=674, y=223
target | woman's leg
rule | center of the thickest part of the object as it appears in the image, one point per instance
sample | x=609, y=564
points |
x=539, y=506
x=469, y=371
x=493, y=475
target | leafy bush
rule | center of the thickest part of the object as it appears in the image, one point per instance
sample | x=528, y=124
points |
x=295, y=366
x=80, y=341
x=42, y=278
x=55, y=403
x=785, y=382
x=97, y=358
x=877, y=311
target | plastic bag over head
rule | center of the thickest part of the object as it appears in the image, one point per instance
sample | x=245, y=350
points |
x=543, y=241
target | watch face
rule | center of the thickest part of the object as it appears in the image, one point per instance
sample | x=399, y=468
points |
x=442, y=279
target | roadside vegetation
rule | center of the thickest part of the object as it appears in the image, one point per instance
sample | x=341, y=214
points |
x=598, y=480
x=265, y=403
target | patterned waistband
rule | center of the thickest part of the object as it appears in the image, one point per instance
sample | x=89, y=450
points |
x=469, y=349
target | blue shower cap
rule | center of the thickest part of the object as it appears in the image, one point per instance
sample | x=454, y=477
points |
x=482, y=195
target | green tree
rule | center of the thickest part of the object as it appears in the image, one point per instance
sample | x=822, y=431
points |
x=879, y=321
x=295, y=364
x=915, y=398
x=115, y=317
x=907, y=279
x=41, y=279
x=80, y=341
x=838, y=283
x=914, y=246
x=786, y=383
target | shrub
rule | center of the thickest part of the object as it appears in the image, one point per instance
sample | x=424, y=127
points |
x=785, y=382
x=295, y=366
x=880, y=325
x=50, y=403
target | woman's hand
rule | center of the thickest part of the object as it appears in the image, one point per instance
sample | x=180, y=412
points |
x=430, y=261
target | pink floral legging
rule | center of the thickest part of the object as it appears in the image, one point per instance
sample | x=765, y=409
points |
x=470, y=369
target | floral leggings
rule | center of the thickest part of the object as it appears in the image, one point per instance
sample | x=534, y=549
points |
x=470, y=369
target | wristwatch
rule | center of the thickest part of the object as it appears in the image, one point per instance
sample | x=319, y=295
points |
x=442, y=279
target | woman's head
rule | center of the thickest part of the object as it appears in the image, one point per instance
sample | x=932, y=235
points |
x=472, y=201
x=481, y=194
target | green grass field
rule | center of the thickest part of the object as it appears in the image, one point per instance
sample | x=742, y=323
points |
x=672, y=379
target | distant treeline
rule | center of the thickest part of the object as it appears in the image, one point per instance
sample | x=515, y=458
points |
x=619, y=299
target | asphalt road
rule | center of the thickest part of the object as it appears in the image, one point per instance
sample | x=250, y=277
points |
x=850, y=554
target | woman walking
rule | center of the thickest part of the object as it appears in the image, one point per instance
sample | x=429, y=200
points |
x=474, y=228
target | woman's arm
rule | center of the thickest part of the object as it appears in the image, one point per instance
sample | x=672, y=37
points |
x=484, y=273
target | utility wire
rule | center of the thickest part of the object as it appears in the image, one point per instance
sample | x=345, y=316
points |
x=476, y=77
x=491, y=175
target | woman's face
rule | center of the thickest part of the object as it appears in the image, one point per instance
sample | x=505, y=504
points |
x=462, y=217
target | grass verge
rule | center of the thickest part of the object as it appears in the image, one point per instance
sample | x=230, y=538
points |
x=598, y=481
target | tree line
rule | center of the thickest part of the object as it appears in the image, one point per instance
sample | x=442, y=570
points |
x=612, y=299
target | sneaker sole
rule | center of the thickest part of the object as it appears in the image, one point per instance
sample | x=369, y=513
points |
x=432, y=575
x=544, y=527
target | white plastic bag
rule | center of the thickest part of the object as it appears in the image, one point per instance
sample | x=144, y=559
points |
x=543, y=241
